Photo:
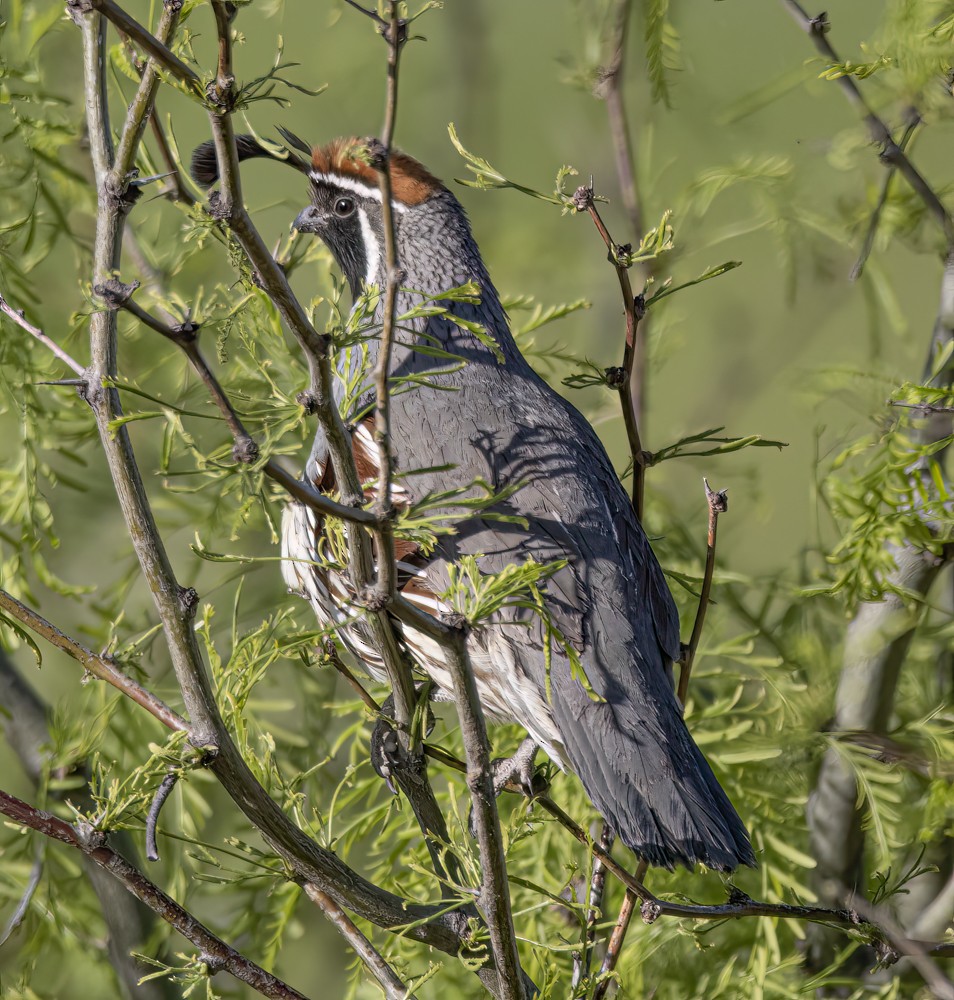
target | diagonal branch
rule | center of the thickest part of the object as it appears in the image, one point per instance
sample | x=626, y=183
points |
x=216, y=954
x=392, y=984
x=98, y=665
x=892, y=155
x=17, y=316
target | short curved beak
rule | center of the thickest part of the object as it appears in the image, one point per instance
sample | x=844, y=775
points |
x=309, y=220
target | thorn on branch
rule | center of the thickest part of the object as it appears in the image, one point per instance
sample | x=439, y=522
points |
x=162, y=793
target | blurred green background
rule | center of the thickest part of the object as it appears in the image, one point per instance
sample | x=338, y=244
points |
x=764, y=349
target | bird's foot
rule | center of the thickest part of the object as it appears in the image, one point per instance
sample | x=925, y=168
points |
x=388, y=753
x=518, y=770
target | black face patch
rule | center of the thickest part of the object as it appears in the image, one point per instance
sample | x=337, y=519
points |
x=336, y=217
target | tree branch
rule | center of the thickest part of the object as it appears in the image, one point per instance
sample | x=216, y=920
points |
x=142, y=36
x=308, y=862
x=215, y=952
x=633, y=309
x=98, y=665
x=392, y=984
x=17, y=316
x=718, y=504
x=892, y=155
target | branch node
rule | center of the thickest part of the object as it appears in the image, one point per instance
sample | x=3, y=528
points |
x=116, y=293
x=583, y=197
x=718, y=499
x=219, y=208
x=245, y=450
x=374, y=599
x=188, y=599
x=650, y=911
x=454, y=619
x=308, y=401
x=88, y=836
x=819, y=25
x=220, y=94
x=616, y=377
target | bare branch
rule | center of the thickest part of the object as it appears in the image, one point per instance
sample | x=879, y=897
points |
x=611, y=89
x=718, y=502
x=495, y=889
x=634, y=309
x=914, y=120
x=99, y=666
x=892, y=155
x=215, y=952
x=392, y=984
x=144, y=38
x=17, y=316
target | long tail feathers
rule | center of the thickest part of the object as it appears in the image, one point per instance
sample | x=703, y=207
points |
x=656, y=789
x=205, y=168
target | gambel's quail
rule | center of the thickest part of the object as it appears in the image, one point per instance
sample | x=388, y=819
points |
x=497, y=421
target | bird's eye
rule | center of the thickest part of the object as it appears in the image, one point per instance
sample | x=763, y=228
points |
x=344, y=207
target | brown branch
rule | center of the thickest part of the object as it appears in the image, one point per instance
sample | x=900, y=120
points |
x=392, y=984
x=633, y=308
x=307, y=861
x=718, y=502
x=494, y=899
x=17, y=316
x=141, y=35
x=214, y=951
x=611, y=89
x=614, y=947
x=892, y=155
x=99, y=666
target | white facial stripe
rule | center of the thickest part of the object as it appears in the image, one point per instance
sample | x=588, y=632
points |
x=371, y=248
x=351, y=184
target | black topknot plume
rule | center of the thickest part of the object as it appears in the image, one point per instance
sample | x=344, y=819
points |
x=205, y=169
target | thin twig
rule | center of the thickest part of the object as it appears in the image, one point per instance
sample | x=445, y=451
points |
x=582, y=961
x=152, y=818
x=98, y=665
x=914, y=120
x=891, y=153
x=217, y=955
x=17, y=316
x=611, y=89
x=142, y=36
x=614, y=947
x=399, y=673
x=634, y=309
x=718, y=503
x=23, y=906
x=392, y=984
x=900, y=945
